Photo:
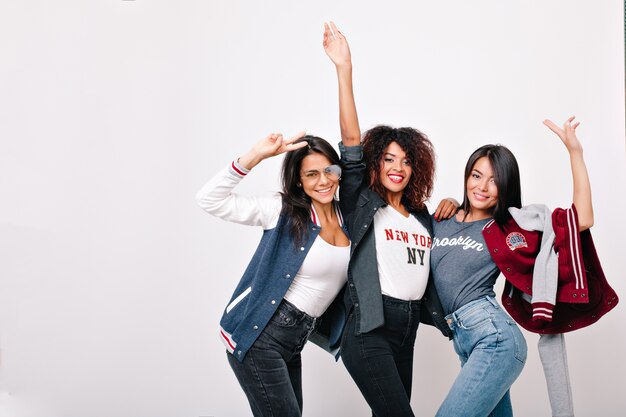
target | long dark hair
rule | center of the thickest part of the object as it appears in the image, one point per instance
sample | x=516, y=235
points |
x=296, y=204
x=506, y=176
x=421, y=156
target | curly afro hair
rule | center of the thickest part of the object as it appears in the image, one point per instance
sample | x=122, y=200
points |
x=421, y=156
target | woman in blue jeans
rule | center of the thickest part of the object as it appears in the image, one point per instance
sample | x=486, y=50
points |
x=295, y=274
x=490, y=345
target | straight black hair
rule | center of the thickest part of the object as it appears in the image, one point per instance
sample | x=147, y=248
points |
x=506, y=176
x=296, y=204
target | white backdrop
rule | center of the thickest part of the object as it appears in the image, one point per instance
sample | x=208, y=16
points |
x=113, y=113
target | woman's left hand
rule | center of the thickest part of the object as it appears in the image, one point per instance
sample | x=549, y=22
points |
x=446, y=209
x=336, y=46
x=567, y=134
x=580, y=177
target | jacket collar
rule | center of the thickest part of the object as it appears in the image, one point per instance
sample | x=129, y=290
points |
x=316, y=219
x=488, y=224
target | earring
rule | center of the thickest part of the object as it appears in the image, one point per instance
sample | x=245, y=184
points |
x=299, y=184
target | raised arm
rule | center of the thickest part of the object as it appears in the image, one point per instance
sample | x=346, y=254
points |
x=580, y=177
x=337, y=49
x=217, y=196
x=272, y=145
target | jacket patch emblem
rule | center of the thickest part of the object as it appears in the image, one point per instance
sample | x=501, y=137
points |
x=516, y=240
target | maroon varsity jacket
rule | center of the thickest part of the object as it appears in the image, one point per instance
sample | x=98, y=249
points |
x=583, y=293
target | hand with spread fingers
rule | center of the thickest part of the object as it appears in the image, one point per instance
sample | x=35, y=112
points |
x=567, y=133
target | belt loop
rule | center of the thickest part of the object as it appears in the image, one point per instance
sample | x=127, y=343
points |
x=492, y=301
x=312, y=328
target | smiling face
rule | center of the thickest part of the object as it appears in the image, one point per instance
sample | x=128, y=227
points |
x=395, y=169
x=321, y=186
x=481, y=188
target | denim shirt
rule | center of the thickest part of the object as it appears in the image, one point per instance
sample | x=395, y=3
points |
x=359, y=204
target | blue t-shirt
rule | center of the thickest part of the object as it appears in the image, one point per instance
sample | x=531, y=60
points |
x=460, y=262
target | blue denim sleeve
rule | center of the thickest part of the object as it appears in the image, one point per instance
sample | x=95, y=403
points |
x=351, y=153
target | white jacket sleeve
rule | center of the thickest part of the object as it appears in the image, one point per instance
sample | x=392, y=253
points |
x=217, y=198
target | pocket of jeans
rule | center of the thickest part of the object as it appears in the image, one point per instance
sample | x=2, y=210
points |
x=475, y=319
x=521, y=349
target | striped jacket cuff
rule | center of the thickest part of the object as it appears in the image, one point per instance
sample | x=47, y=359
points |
x=542, y=311
x=228, y=341
x=237, y=169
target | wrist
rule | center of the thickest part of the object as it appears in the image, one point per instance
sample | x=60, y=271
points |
x=249, y=160
x=576, y=153
x=344, y=67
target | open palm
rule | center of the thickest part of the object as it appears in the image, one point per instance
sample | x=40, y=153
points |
x=336, y=45
x=567, y=133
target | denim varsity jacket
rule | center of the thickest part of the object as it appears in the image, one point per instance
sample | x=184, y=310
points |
x=359, y=204
x=274, y=264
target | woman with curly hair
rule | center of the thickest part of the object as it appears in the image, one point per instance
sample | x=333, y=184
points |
x=387, y=179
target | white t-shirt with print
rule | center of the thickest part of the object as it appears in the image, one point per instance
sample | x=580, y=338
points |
x=403, y=254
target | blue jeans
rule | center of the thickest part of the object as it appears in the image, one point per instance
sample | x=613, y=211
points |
x=493, y=352
x=271, y=372
x=381, y=361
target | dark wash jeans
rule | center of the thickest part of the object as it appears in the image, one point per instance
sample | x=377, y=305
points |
x=271, y=372
x=381, y=361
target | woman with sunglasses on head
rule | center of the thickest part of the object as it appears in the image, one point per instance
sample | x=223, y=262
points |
x=388, y=176
x=298, y=269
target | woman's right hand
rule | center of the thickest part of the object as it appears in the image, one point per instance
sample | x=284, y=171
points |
x=336, y=46
x=272, y=145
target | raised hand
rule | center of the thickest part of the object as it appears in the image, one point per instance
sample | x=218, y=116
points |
x=272, y=145
x=336, y=46
x=580, y=178
x=337, y=49
x=567, y=134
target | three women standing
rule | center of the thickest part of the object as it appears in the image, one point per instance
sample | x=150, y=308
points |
x=387, y=177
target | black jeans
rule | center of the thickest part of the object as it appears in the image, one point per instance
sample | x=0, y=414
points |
x=271, y=372
x=381, y=361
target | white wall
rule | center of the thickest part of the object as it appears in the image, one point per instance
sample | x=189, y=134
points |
x=113, y=113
